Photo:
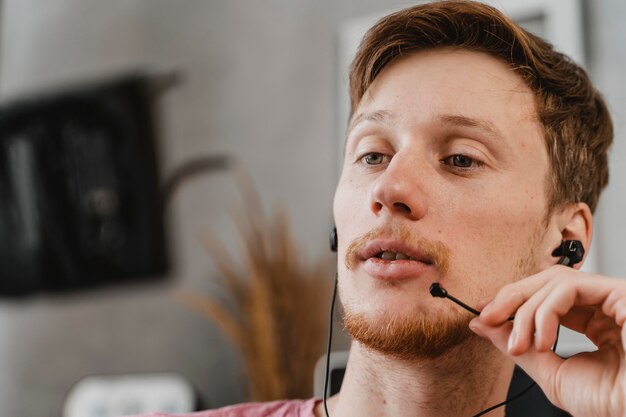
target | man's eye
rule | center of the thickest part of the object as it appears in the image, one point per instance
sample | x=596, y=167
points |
x=461, y=161
x=374, y=159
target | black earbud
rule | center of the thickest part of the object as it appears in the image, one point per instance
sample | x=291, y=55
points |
x=333, y=240
x=570, y=251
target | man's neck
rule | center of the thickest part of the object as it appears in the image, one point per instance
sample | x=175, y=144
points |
x=461, y=383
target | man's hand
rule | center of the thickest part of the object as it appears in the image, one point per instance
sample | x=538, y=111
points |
x=590, y=384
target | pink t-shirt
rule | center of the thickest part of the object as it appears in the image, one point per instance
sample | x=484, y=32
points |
x=284, y=408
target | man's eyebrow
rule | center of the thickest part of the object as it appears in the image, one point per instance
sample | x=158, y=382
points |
x=464, y=121
x=380, y=116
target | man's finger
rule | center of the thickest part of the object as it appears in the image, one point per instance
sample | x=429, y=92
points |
x=511, y=297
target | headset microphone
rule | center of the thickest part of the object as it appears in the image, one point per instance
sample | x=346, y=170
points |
x=437, y=290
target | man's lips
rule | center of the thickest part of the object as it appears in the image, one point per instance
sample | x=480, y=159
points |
x=395, y=270
x=390, y=259
x=381, y=248
x=393, y=250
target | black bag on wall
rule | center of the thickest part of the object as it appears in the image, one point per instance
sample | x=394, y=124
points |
x=79, y=190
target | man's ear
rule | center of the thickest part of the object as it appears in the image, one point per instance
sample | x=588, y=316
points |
x=572, y=222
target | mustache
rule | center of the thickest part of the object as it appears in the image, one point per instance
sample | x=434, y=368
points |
x=437, y=251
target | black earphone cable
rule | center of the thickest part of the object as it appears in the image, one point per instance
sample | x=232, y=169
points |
x=328, y=349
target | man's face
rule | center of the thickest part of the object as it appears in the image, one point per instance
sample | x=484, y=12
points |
x=444, y=180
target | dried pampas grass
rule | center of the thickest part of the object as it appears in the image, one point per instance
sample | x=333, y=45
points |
x=279, y=324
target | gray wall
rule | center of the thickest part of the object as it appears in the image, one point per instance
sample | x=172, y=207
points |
x=260, y=86
x=607, y=62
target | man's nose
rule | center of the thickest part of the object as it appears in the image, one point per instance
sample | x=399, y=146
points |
x=399, y=189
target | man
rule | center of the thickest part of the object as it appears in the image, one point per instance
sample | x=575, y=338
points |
x=473, y=150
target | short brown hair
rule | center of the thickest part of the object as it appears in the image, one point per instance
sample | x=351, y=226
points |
x=577, y=125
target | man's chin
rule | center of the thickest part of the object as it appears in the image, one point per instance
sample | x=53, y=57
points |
x=409, y=338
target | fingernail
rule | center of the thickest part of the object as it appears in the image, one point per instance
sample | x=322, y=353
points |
x=486, y=308
x=474, y=326
x=512, y=339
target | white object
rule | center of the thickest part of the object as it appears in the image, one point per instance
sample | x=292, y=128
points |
x=338, y=360
x=119, y=395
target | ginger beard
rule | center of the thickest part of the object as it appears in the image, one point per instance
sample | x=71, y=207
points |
x=417, y=336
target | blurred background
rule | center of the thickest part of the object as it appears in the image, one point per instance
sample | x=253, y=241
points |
x=259, y=82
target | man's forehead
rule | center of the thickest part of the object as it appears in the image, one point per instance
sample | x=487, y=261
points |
x=466, y=78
